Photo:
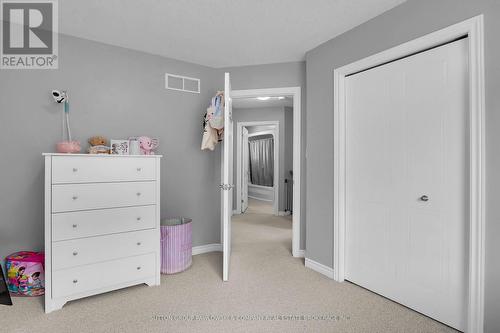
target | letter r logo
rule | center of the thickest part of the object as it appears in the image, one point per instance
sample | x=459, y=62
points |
x=27, y=27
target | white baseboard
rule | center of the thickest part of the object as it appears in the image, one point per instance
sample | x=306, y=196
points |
x=300, y=254
x=207, y=248
x=320, y=268
x=284, y=213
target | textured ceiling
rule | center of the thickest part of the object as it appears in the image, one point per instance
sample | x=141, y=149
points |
x=218, y=33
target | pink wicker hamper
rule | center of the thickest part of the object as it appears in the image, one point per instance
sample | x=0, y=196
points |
x=176, y=245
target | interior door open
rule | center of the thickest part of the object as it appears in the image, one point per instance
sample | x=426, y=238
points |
x=227, y=179
x=245, y=172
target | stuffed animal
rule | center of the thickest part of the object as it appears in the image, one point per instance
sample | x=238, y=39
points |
x=147, y=145
x=98, y=145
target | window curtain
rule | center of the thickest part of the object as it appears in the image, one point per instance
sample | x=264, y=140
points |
x=262, y=161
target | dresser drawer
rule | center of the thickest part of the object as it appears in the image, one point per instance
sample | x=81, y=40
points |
x=102, y=275
x=87, y=169
x=71, y=197
x=87, y=223
x=83, y=251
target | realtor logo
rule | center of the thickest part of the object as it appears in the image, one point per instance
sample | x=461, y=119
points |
x=29, y=38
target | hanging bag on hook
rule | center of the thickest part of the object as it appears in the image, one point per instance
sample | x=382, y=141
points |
x=215, y=111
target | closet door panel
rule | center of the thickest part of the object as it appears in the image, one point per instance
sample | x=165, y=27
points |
x=406, y=185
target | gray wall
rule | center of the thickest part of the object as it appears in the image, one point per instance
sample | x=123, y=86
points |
x=403, y=23
x=114, y=92
x=267, y=114
x=292, y=74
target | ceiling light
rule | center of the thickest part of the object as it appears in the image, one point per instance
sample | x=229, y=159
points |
x=266, y=98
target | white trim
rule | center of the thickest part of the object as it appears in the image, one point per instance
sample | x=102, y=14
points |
x=301, y=254
x=216, y=247
x=473, y=28
x=268, y=132
x=320, y=268
x=284, y=213
x=275, y=132
x=295, y=92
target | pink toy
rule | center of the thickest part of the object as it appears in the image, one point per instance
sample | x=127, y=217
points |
x=25, y=273
x=147, y=145
x=68, y=147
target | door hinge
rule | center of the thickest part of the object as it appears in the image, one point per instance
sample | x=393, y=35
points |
x=226, y=187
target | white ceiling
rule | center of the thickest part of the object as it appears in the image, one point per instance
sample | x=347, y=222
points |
x=218, y=33
x=254, y=103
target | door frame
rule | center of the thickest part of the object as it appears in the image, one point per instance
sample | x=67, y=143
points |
x=294, y=92
x=473, y=28
x=275, y=132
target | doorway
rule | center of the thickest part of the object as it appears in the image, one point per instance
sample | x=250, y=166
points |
x=293, y=180
x=257, y=164
x=227, y=163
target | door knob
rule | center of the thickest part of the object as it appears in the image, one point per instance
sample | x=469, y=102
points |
x=424, y=198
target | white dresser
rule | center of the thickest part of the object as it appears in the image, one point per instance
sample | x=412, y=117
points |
x=102, y=224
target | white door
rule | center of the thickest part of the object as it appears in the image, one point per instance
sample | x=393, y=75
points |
x=227, y=179
x=407, y=181
x=245, y=172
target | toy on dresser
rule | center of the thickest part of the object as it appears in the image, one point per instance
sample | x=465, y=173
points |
x=147, y=145
x=98, y=145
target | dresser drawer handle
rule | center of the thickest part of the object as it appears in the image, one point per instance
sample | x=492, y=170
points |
x=75, y=281
x=138, y=194
x=75, y=197
x=139, y=218
x=139, y=169
x=75, y=169
x=138, y=243
x=75, y=253
x=138, y=268
x=75, y=225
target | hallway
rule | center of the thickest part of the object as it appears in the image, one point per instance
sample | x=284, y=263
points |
x=257, y=234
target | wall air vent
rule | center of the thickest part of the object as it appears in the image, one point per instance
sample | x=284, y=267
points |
x=182, y=83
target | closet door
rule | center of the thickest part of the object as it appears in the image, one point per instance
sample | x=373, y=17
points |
x=407, y=181
x=227, y=179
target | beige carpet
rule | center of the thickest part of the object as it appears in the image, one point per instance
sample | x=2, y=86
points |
x=265, y=283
